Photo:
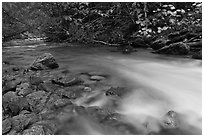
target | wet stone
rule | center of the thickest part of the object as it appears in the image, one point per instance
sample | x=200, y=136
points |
x=19, y=122
x=72, y=92
x=10, y=84
x=34, y=130
x=67, y=80
x=61, y=103
x=14, y=104
x=35, y=80
x=23, y=89
x=49, y=126
x=171, y=120
x=45, y=61
x=48, y=87
x=6, y=126
x=97, y=78
x=37, y=100
x=116, y=91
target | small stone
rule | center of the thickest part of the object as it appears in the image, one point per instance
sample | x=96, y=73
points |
x=48, y=87
x=116, y=91
x=67, y=80
x=171, y=120
x=6, y=126
x=49, y=126
x=61, y=103
x=34, y=80
x=15, y=69
x=71, y=92
x=34, y=130
x=97, y=78
x=87, y=89
x=23, y=89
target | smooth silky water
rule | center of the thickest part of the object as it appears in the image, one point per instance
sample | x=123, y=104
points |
x=158, y=84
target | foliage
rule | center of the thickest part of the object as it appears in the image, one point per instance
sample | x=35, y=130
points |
x=104, y=21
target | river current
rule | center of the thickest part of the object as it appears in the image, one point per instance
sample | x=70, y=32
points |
x=158, y=83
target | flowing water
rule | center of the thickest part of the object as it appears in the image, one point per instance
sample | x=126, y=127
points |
x=158, y=83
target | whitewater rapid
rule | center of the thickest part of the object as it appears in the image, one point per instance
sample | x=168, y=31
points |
x=159, y=87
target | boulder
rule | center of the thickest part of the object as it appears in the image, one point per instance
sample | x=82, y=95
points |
x=158, y=44
x=19, y=122
x=14, y=104
x=10, y=84
x=6, y=126
x=45, y=61
x=179, y=48
x=37, y=100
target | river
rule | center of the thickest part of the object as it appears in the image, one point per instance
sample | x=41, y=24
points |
x=158, y=83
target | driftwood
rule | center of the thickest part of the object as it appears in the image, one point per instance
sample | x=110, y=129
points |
x=102, y=42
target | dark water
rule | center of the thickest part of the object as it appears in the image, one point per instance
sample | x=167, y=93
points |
x=159, y=83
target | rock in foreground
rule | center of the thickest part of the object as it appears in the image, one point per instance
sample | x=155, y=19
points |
x=45, y=61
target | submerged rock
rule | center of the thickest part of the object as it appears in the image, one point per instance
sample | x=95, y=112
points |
x=171, y=120
x=45, y=61
x=116, y=91
x=66, y=80
x=97, y=78
x=72, y=92
x=197, y=55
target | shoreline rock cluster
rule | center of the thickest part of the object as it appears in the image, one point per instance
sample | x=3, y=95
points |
x=179, y=43
x=38, y=102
